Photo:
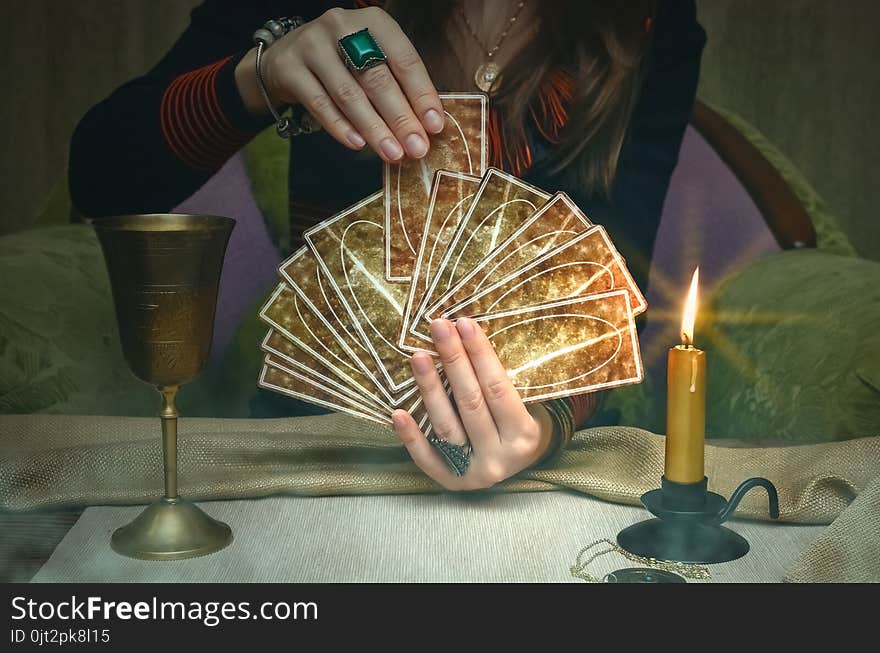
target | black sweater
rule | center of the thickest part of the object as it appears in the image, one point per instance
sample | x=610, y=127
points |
x=157, y=139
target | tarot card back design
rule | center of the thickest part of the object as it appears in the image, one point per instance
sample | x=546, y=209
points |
x=284, y=380
x=502, y=204
x=567, y=347
x=300, y=360
x=587, y=264
x=460, y=147
x=306, y=276
x=557, y=222
x=350, y=250
x=293, y=317
x=451, y=197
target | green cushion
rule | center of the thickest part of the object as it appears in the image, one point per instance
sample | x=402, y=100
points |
x=794, y=349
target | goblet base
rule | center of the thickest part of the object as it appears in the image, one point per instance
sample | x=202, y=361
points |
x=171, y=529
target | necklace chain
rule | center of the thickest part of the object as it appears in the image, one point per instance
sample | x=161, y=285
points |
x=510, y=23
x=579, y=569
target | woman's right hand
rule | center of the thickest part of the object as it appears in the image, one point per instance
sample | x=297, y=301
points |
x=392, y=108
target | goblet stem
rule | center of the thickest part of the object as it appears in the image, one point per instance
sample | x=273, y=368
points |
x=169, y=440
x=172, y=528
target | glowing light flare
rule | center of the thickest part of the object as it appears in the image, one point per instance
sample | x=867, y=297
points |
x=690, y=311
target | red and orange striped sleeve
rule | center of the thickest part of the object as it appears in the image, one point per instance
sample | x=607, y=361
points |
x=193, y=122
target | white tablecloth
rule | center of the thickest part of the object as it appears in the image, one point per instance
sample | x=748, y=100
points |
x=525, y=537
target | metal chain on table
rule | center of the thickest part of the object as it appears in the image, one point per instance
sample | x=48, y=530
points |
x=579, y=569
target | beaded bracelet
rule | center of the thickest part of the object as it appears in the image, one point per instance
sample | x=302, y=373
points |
x=270, y=32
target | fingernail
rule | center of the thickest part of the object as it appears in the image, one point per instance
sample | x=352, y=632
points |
x=391, y=148
x=433, y=121
x=416, y=146
x=465, y=327
x=421, y=363
x=397, y=418
x=355, y=139
x=439, y=330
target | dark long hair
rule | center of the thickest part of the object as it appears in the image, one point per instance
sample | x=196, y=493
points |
x=578, y=80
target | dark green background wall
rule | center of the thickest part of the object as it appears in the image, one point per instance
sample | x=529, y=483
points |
x=802, y=71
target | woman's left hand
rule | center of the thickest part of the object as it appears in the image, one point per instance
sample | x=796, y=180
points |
x=506, y=436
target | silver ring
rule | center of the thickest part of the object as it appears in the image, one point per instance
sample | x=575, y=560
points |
x=457, y=456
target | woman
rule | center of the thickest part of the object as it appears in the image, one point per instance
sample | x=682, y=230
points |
x=592, y=98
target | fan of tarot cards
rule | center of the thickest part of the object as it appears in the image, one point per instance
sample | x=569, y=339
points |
x=449, y=237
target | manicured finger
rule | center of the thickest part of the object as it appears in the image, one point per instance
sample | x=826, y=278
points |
x=388, y=99
x=505, y=404
x=441, y=412
x=472, y=407
x=421, y=451
x=409, y=71
x=317, y=101
x=351, y=99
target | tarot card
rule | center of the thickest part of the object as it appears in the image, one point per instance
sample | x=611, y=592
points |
x=502, y=204
x=567, y=347
x=451, y=197
x=557, y=222
x=287, y=313
x=460, y=147
x=350, y=250
x=306, y=277
x=280, y=378
x=587, y=264
x=298, y=359
x=295, y=358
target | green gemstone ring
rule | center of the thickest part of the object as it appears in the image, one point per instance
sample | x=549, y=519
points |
x=361, y=51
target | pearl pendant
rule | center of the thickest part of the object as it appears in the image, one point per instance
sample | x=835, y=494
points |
x=486, y=75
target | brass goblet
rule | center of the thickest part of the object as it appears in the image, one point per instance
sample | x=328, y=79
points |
x=165, y=272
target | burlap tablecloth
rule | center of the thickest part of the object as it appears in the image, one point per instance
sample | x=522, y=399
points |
x=48, y=460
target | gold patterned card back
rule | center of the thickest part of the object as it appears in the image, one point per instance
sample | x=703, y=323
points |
x=503, y=203
x=568, y=347
x=350, y=250
x=554, y=224
x=305, y=275
x=451, y=197
x=279, y=378
x=285, y=380
x=295, y=318
x=587, y=264
x=460, y=147
x=300, y=360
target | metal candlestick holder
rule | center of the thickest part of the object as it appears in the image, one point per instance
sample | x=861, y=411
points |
x=688, y=522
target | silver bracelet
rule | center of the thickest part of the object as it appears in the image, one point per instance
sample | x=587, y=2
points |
x=264, y=37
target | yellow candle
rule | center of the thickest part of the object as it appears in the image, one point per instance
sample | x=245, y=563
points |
x=686, y=400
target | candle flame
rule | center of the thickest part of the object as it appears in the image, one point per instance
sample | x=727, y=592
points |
x=690, y=311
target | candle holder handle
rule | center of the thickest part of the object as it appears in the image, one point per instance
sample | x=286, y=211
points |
x=688, y=522
x=742, y=490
